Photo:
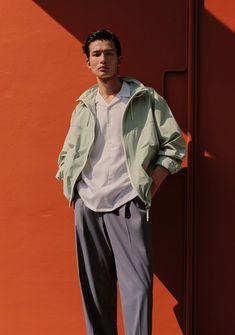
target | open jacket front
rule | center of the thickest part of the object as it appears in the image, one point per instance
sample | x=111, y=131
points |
x=150, y=137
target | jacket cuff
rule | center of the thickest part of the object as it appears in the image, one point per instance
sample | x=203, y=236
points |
x=170, y=164
x=60, y=175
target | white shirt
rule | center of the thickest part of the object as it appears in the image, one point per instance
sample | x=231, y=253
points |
x=105, y=183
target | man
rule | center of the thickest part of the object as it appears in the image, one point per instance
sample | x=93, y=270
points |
x=122, y=143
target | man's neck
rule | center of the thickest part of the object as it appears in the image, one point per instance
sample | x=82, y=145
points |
x=109, y=87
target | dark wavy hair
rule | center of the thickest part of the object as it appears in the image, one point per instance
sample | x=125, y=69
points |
x=102, y=35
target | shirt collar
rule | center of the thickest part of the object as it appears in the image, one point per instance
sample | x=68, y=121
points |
x=124, y=92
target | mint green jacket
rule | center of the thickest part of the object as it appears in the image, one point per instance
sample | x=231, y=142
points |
x=150, y=137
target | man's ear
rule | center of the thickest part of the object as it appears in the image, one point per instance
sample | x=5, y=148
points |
x=88, y=62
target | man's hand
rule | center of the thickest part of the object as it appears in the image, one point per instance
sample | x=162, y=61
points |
x=158, y=176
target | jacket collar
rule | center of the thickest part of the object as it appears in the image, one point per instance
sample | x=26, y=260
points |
x=90, y=94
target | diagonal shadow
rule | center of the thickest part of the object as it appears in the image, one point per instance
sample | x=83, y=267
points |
x=153, y=39
x=150, y=37
x=155, y=31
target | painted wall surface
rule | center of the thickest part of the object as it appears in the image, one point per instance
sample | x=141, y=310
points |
x=39, y=73
x=43, y=71
x=215, y=185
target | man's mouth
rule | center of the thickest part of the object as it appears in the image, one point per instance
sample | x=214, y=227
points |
x=102, y=68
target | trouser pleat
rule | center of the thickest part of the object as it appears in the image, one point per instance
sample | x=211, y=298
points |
x=110, y=246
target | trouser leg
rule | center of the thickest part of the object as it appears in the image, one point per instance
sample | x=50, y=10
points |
x=130, y=237
x=96, y=271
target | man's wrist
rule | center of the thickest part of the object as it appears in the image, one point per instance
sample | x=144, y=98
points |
x=158, y=176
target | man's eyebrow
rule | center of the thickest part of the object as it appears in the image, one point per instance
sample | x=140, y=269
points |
x=105, y=50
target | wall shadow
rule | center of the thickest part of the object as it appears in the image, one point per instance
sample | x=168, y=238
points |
x=150, y=36
x=154, y=31
x=169, y=240
x=152, y=43
x=215, y=230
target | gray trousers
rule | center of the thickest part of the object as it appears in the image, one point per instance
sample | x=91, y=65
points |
x=115, y=246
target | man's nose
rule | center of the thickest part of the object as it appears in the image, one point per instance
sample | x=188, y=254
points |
x=102, y=57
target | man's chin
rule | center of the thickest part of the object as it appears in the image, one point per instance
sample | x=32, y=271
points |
x=106, y=76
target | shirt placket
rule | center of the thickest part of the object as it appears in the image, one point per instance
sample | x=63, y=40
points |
x=109, y=144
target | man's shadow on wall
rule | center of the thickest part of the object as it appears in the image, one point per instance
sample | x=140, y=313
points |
x=153, y=39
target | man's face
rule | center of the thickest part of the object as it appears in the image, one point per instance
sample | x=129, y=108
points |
x=103, y=60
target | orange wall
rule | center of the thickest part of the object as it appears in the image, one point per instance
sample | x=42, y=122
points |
x=42, y=73
x=39, y=75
